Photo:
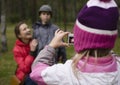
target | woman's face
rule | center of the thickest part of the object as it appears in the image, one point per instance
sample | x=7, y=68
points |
x=25, y=32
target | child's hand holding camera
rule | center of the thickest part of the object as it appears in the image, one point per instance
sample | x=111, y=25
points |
x=57, y=40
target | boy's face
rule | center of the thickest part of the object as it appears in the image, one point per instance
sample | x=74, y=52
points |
x=45, y=17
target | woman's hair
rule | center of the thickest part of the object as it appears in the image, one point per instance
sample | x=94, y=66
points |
x=17, y=29
x=86, y=53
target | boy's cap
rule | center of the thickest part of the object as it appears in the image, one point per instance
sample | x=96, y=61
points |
x=45, y=8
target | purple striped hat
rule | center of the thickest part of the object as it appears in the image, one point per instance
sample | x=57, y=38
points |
x=96, y=25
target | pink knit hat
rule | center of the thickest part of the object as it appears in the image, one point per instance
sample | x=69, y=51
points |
x=96, y=25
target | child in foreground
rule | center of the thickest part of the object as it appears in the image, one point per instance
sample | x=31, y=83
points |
x=95, y=33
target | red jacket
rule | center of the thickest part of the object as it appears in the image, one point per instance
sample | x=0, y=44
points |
x=23, y=59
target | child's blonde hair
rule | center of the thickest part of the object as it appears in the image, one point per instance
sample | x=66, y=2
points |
x=86, y=53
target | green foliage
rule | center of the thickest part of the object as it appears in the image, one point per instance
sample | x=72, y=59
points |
x=13, y=19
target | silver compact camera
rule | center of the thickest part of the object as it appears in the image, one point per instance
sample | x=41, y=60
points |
x=70, y=39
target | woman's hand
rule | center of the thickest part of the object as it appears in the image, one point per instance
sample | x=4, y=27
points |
x=57, y=40
x=33, y=45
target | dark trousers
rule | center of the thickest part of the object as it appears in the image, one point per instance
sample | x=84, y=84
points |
x=29, y=81
x=61, y=55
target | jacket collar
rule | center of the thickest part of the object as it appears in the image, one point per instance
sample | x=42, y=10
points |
x=93, y=65
x=20, y=43
x=39, y=23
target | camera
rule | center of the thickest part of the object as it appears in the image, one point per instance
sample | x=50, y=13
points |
x=70, y=39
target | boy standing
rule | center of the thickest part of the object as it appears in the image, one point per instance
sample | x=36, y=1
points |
x=43, y=31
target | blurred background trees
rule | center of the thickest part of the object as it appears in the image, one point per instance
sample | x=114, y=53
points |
x=17, y=10
x=3, y=26
x=64, y=11
x=13, y=11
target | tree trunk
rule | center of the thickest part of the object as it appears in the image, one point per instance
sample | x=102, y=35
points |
x=22, y=9
x=3, y=27
x=34, y=11
x=75, y=9
x=64, y=14
x=119, y=25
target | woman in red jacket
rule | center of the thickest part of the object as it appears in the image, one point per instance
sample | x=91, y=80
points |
x=24, y=52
